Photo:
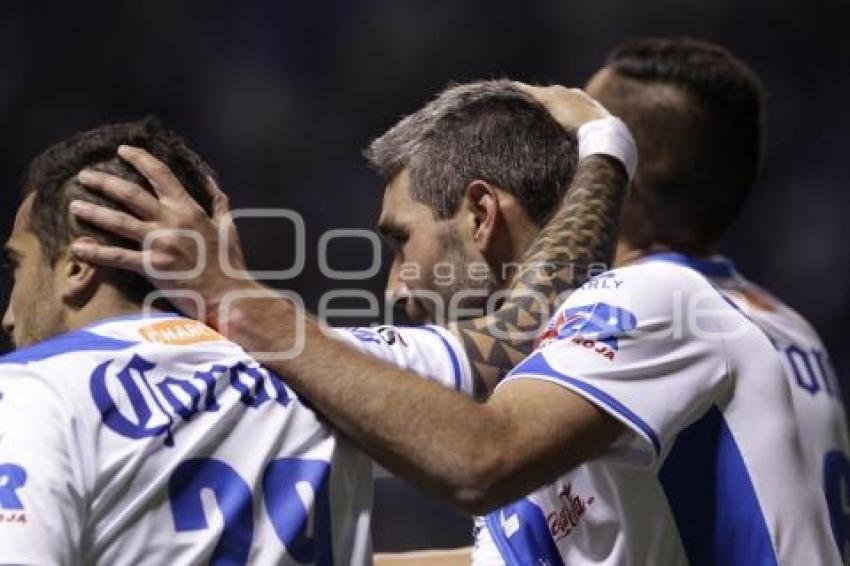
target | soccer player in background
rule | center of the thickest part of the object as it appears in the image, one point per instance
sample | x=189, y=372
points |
x=697, y=113
x=631, y=427
x=155, y=382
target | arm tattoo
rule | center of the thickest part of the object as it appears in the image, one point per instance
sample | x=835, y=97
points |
x=577, y=243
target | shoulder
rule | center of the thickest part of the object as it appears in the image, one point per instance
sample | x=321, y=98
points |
x=656, y=276
x=409, y=341
x=50, y=376
x=656, y=288
x=28, y=388
x=430, y=351
x=69, y=343
x=32, y=409
x=775, y=317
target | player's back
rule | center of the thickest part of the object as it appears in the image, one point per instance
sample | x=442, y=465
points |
x=156, y=441
x=815, y=391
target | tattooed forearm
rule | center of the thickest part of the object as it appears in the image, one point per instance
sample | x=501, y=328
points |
x=577, y=243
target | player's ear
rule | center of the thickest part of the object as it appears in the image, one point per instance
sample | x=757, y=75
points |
x=77, y=279
x=484, y=214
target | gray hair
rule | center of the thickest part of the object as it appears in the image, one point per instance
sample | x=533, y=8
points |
x=487, y=130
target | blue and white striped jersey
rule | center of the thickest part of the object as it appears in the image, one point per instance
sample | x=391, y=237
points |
x=711, y=469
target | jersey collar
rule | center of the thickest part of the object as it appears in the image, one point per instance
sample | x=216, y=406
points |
x=718, y=267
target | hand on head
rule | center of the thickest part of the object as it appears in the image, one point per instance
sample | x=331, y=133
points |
x=181, y=244
x=570, y=107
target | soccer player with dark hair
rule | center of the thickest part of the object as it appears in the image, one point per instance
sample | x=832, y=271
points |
x=118, y=422
x=48, y=183
x=698, y=116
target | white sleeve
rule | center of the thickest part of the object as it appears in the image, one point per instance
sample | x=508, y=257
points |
x=430, y=351
x=42, y=500
x=623, y=343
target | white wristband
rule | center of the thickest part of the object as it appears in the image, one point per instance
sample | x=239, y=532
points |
x=608, y=136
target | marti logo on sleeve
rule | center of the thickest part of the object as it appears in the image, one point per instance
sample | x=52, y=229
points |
x=597, y=326
x=179, y=332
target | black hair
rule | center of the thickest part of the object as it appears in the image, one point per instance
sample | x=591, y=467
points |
x=51, y=178
x=700, y=153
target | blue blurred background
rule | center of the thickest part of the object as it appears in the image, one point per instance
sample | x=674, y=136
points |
x=281, y=97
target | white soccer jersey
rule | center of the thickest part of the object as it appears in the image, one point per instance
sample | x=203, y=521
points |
x=155, y=441
x=180, y=450
x=711, y=469
x=430, y=351
x=815, y=390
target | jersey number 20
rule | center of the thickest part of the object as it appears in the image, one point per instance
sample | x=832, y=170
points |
x=291, y=488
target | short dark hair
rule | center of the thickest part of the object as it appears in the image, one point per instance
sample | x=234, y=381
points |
x=700, y=155
x=487, y=130
x=51, y=178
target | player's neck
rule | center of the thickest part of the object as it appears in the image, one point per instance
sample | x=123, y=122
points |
x=105, y=303
x=519, y=238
